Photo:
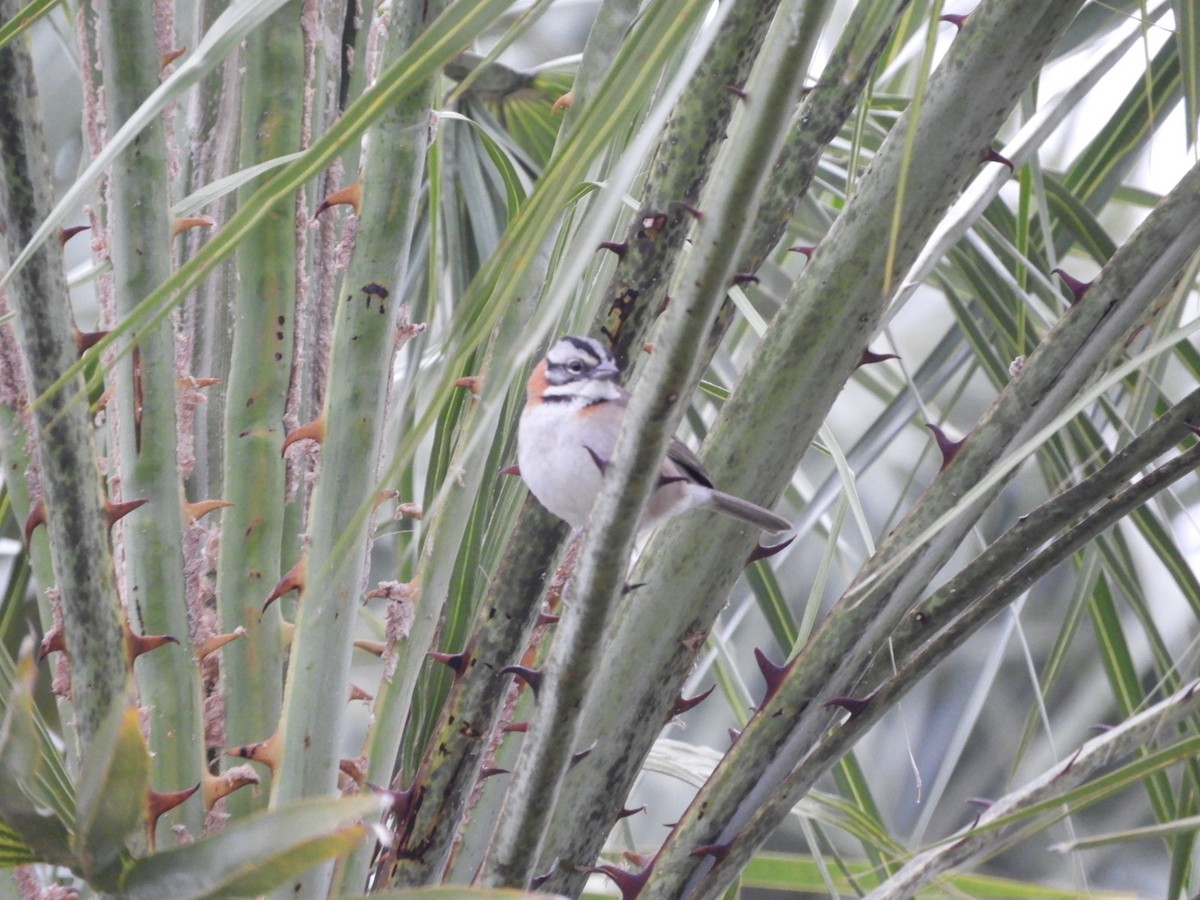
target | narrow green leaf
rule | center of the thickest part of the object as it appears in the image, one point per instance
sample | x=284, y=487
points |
x=513, y=187
x=255, y=854
x=24, y=19
x=33, y=830
x=1075, y=221
x=1187, y=29
x=1102, y=165
x=13, y=850
x=215, y=190
x=1186, y=825
x=800, y=874
x=1099, y=788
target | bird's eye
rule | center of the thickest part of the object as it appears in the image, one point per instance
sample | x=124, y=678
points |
x=575, y=366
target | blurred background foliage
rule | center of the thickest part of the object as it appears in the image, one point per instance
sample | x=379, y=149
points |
x=326, y=243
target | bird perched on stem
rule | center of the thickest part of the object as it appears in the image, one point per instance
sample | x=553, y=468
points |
x=568, y=431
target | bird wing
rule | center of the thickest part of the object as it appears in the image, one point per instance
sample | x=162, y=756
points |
x=687, y=462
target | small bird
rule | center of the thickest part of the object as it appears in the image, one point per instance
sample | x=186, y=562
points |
x=568, y=431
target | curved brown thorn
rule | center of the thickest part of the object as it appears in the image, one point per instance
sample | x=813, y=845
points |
x=354, y=769
x=115, y=512
x=948, y=447
x=266, y=752
x=626, y=813
x=683, y=704
x=955, y=19
x=981, y=801
x=716, y=851
x=853, y=705
x=620, y=248
x=399, y=799
x=1071, y=762
x=491, y=772
x=545, y=618
x=394, y=591
x=1194, y=429
x=806, y=249
x=869, y=357
x=580, y=755
x=532, y=677
x=456, y=661
x=351, y=196
x=158, y=804
x=734, y=734
x=293, y=580
x=54, y=641
x=745, y=278
x=375, y=648
x=386, y=494
x=65, y=234
x=86, y=340
x=202, y=508
x=514, y=728
x=630, y=588
x=180, y=225
x=630, y=884
x=36, y=517
x=771, y=673
x=408, y=510
x=137, y=644
x=538, y=880
x=224, y=784
x=195, y=382
x=311, y=431
x=472, y=383
x=1074, y=285
x=357, y=693
x=991, y=155
x=165, y=59
x=511, y=470
x=208, y=647
x=763, y=551
x=737, y=91
x=564, y=102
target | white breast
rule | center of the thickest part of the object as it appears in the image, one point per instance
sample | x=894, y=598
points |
x=555, y=464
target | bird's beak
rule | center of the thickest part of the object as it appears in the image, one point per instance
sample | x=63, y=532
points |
x=606, y=370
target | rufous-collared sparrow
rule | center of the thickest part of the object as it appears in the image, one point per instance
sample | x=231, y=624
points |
x=568, y=431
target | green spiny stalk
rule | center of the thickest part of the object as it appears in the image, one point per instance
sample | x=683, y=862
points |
x=72, y=489
x=899, y=571
x=650, y=420
x=369, y=312
x=18, y=456
x=992, y=592
x=678, y=171
x=252, y=530
x=139, y=237
x=211, y=152
x=382, y=248
x=656, y=626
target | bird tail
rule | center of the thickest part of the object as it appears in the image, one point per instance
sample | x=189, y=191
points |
x=748, y=512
